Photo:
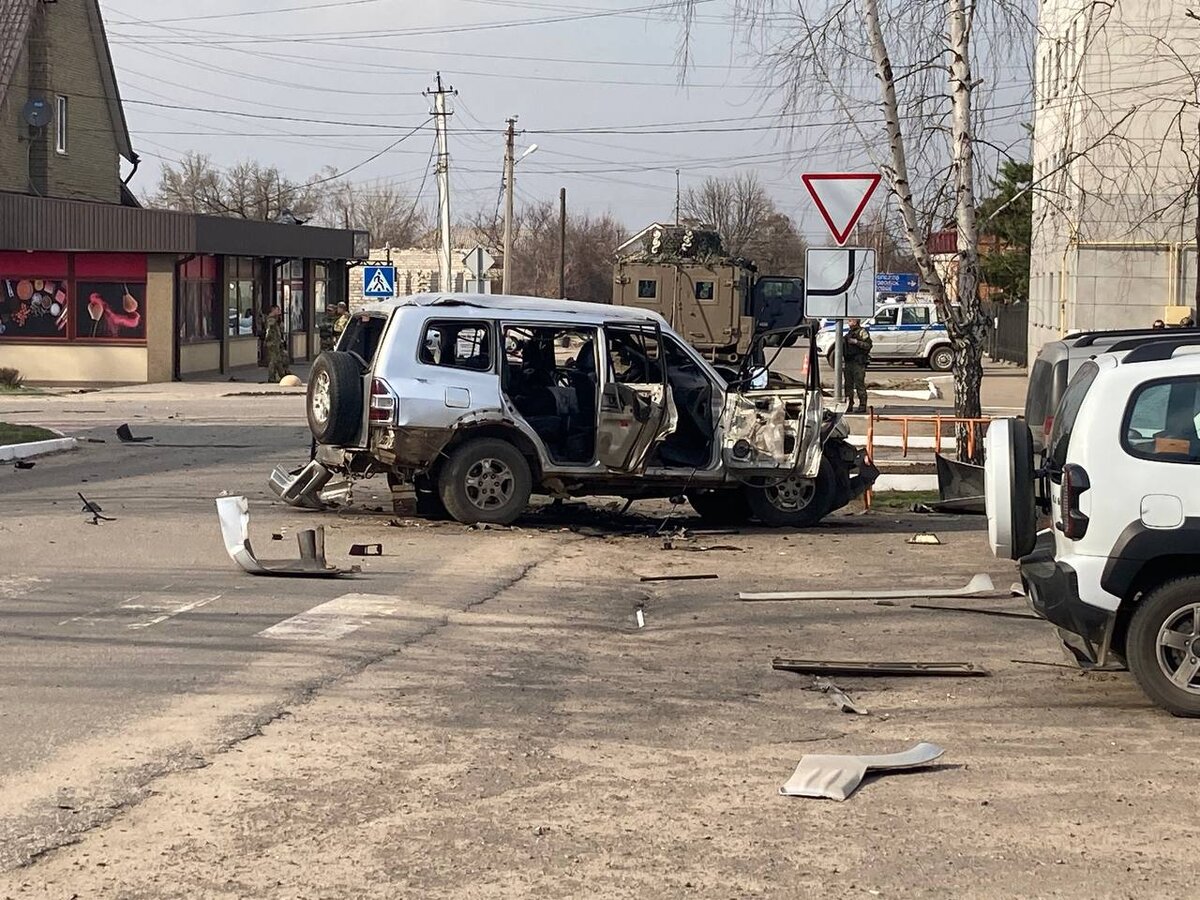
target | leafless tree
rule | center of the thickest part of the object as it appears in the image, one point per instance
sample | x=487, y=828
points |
x=248, y=190
x=389, y=214
x=750, y=224
x=590, y=243
x=904, y=68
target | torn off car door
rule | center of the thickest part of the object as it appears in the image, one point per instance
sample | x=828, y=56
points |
x=772, y=431
x=636, y=406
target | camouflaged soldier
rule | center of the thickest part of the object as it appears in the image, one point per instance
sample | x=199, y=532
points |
x=277, y=366
x=856, y=355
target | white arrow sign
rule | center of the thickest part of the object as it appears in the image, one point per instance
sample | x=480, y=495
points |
x=841, y=198
x=839, y=283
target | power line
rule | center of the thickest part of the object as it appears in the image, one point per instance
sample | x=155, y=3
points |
x=253, y=12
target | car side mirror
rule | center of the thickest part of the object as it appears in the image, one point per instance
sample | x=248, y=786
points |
x=759, y=378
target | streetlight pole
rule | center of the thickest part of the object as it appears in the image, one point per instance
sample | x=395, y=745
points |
x=562, y=243
x=510, y=167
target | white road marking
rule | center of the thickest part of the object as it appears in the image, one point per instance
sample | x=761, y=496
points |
x=335, y=619
x=171, y=613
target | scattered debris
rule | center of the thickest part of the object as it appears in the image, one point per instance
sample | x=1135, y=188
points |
x=979, y=584
x=1003, y=614
x=843, y=700
x=837, y=777
x=301, y=487
x=678, y=577
x=88, y=440
x=366, y=549
x=277, y=536
x=126, y=436
x=23, y=464
x=1038, y=662
x=641, y=618
x=234, y=515
x=924, y=537
x=94, y=510
x=850, y=667
x=885, y=602
x=1017, y=589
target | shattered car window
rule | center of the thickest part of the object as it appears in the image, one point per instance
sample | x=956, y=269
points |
x=457, y=345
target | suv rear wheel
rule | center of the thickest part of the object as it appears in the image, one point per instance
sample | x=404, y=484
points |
x=335, y=398
x=487, y=480
x=794, y=502
x=1163, y=646
x=941, y=359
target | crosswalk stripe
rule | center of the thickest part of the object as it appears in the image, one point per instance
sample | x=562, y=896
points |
x=334, y=619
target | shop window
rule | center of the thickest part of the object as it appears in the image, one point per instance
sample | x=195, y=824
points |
x=34, y=307
x=110, y=310
x=242, y=295
x=324, y=305
x=198, y=300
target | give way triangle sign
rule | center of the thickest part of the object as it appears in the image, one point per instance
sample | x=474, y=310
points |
x=841, y=198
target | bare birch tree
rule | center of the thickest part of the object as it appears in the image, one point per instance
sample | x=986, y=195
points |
x=905, y=68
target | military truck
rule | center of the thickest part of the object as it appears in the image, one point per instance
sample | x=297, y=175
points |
x=720, y=304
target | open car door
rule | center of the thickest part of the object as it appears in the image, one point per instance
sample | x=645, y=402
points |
x=636, y=406
x=774, y=432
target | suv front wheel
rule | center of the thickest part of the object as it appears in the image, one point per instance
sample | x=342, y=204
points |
x=1163, y=646
x=941, y=359
x=794, y=502
x=486, y=480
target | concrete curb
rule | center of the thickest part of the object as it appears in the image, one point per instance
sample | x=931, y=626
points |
x=905, y=483
x=9, y=452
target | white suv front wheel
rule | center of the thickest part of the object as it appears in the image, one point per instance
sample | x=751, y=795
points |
x=941, y=359
x=1163, y=646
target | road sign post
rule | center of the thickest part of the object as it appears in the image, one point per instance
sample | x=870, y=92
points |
x=839, y=284
x=478, y=262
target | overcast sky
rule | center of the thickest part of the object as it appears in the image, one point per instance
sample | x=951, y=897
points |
x=211, y=82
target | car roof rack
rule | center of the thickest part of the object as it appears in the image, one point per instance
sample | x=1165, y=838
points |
x=1089, y=338
x=1148, y=351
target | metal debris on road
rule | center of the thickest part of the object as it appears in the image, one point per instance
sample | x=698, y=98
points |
x=126, y=436
x=678, y=577
x=851, y=667
x=23, y=464
x=641, y=618
x=1003, y=614
x=979, y=584
x=366, y=549
x=924, y=537
x=234, y=515
x=837, y=777
x=843, y=700
x=94, y=510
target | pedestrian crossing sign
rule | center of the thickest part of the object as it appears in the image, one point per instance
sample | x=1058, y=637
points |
x=379, y=281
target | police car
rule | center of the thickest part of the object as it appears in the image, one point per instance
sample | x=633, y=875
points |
x=902, y=332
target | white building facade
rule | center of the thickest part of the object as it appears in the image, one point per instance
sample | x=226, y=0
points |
x=1116, y=152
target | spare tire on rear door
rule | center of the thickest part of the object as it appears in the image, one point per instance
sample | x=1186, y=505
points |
x=335, y=398
x=1008, y=488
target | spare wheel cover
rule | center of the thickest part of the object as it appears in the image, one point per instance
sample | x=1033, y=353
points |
x=997, y=486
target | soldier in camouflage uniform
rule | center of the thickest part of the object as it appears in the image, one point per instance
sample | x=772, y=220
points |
x=277, y=366
x=856, y=355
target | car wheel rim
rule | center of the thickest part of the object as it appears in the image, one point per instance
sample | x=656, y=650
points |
x=490, y=484
x=792, y=494
x=320, y=397
x=1178, y=648
x=943, y=360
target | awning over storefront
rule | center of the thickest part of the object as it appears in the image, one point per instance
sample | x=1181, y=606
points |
x=40, y=223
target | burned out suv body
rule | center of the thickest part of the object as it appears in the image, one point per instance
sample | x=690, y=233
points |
x=477, y=401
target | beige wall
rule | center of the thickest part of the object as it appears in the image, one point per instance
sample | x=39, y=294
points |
x=76, y=363
x=199, y=357
x=299, y=346
x=243, y=351
x=160, y=317
x=13, y=147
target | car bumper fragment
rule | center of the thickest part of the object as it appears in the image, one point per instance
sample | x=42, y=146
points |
x=302, y=488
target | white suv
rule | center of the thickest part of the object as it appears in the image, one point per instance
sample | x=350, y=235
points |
x=1119, y=570
x=902, y=332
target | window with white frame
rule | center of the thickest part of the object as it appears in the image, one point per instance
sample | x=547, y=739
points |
x=60, y=125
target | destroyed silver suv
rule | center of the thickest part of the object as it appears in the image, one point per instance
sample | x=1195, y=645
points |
x=477, y=401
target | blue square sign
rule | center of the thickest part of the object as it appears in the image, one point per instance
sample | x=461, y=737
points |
x=379, y=281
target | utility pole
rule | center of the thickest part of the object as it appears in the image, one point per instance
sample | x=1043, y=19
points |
x=676, y=196
x=510, y=166
x=440, y=117
x=562, y=243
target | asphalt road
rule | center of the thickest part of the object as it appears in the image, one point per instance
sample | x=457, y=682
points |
x=133, y=647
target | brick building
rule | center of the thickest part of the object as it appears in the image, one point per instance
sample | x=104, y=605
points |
x=94, y=289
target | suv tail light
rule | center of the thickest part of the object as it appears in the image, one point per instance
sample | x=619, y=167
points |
x=1075, y=483
x=383, y=402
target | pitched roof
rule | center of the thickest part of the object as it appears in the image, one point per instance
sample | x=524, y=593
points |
x=15, y=16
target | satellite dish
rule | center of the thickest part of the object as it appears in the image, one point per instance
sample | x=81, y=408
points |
x=36, y=112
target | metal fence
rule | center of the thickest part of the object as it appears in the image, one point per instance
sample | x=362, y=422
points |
x=1008, y=341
